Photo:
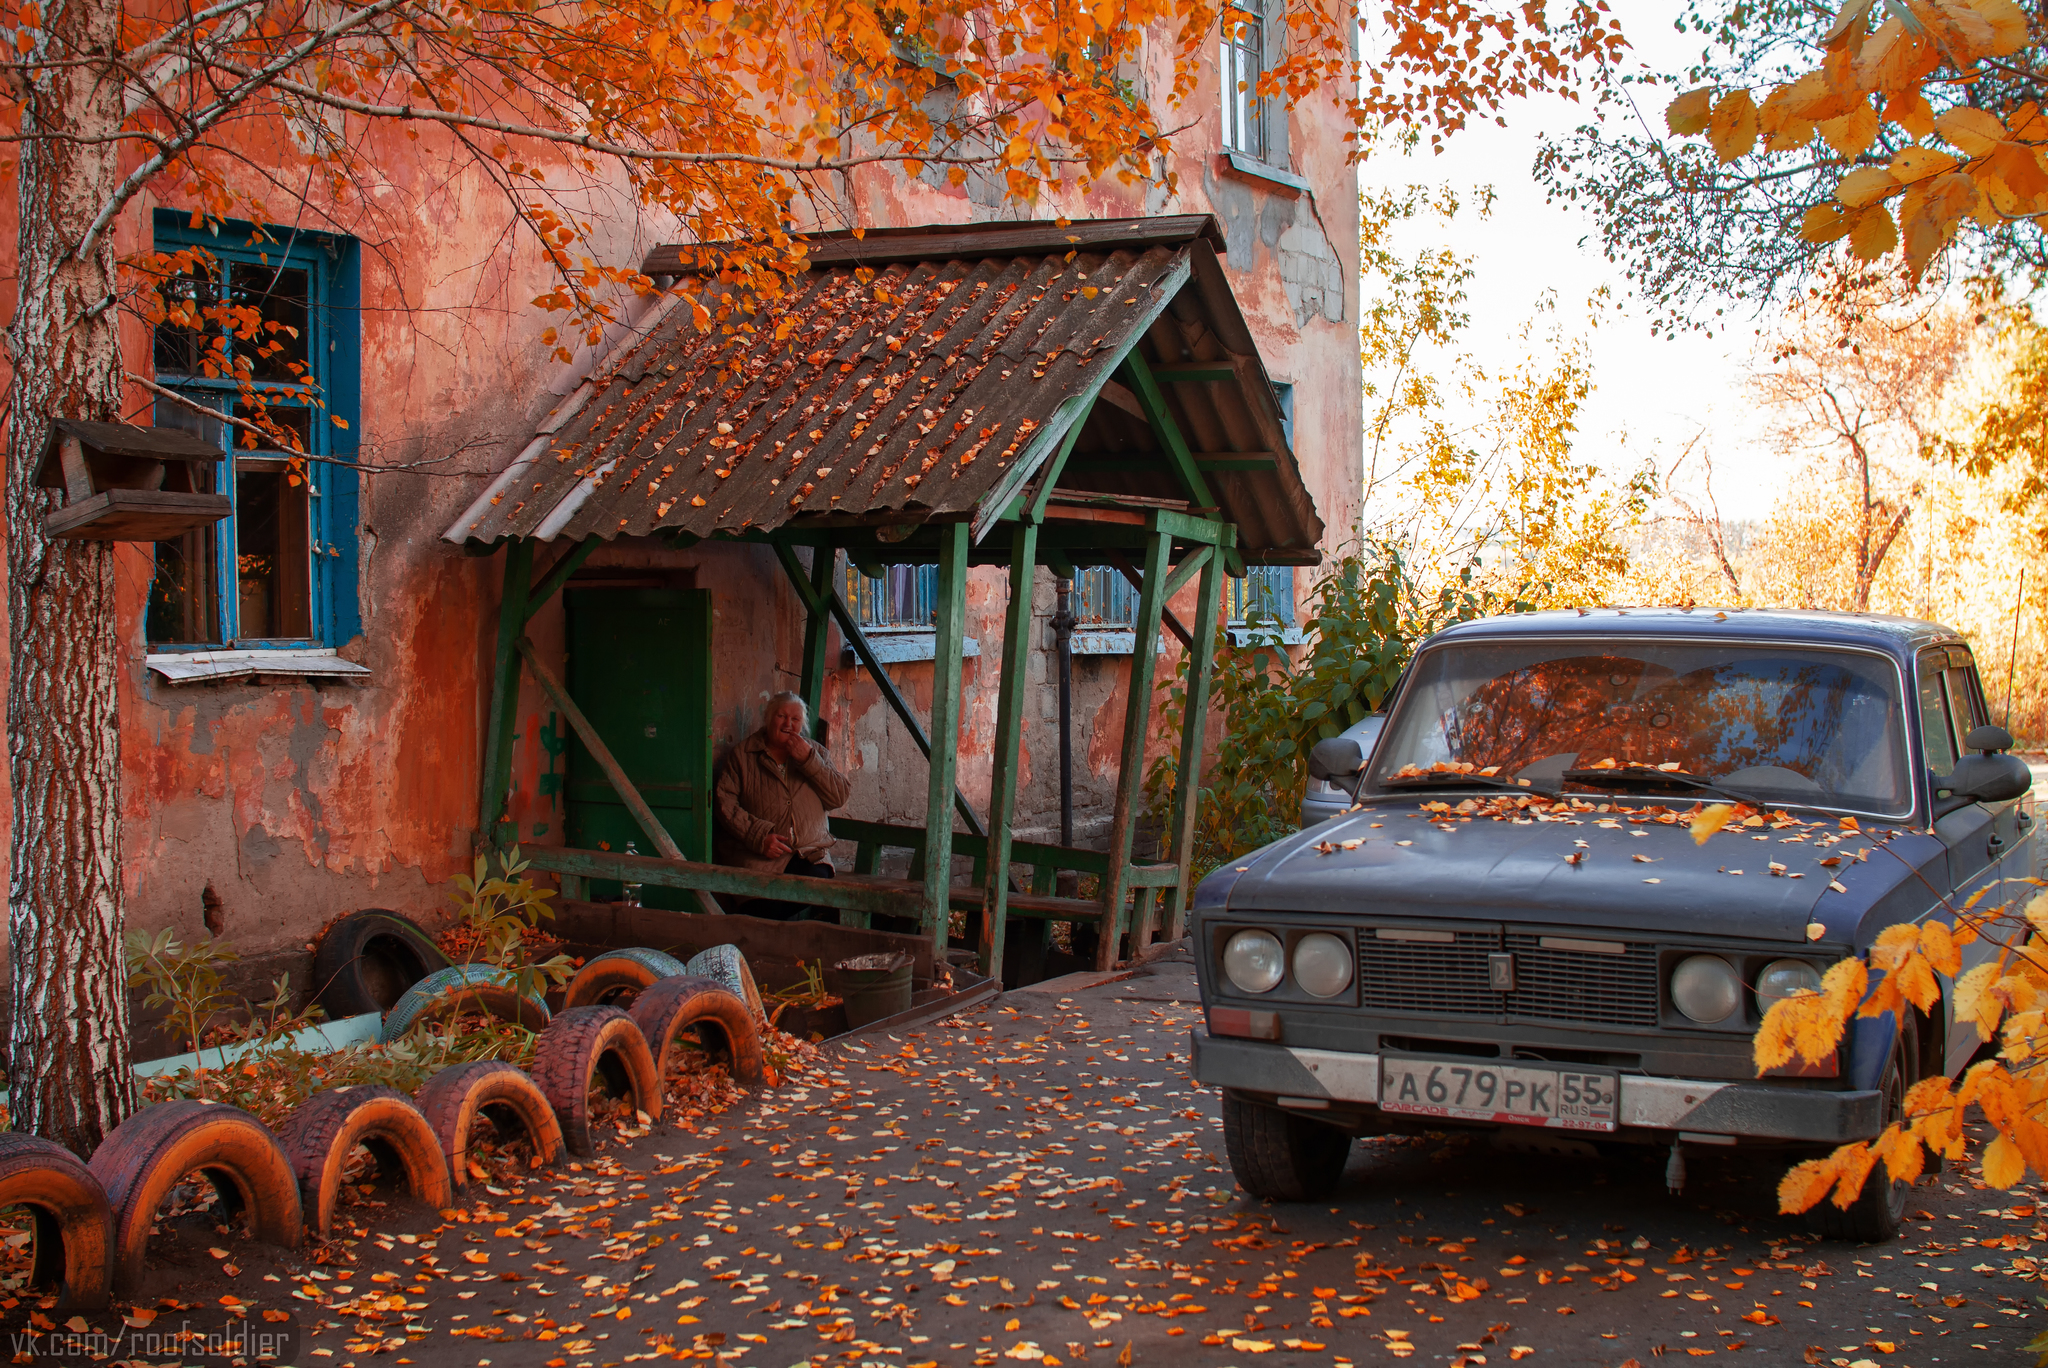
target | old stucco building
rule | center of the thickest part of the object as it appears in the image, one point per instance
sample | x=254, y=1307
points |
x=308, y=740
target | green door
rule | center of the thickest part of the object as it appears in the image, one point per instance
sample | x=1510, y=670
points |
x=640, y=668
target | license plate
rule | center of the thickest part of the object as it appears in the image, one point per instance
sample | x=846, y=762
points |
x=1517, y=1094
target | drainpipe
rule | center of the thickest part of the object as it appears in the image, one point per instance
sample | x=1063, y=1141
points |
x=1063, y=633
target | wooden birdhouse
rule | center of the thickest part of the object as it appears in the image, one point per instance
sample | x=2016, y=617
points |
x=127, y=483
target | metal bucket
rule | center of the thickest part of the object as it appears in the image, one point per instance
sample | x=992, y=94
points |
x=872, y=987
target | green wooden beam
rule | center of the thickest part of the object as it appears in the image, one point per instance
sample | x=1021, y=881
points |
x=1194, y=724
x=1161, y=419
x=865, y=895
x=1009, y=743
x=502, y=721
x=1130, y=779
x=1185, y=571
x=559, y=576
x=1191, y=372
x=849, y=626
x=817, y=614
x=950, y=634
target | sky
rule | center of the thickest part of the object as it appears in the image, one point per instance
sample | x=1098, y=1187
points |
x=1652, y=395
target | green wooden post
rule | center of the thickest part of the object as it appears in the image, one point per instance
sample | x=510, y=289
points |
x=816, y=616
x=1137, y=723
x=503, y=719
x=946, y=655
x=1201, y=678
x=1009, y=744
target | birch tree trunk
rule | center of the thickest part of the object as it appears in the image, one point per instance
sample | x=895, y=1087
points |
x=68, y=1054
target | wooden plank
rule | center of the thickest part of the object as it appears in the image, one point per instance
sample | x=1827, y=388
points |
x=965, y=843
x=1130, y=777
x=1165, y=428
x=1009, y=741
x=1188, y=781
x=1166, y=615
x=502, y=719
x=760, y=939
x=811, y=684
x=1193, y=372
x=949, y=633
x=559, y=576
x=886, y=896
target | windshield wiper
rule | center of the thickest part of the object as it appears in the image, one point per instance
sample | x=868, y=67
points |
x=1621, y=775
x=1452, y=779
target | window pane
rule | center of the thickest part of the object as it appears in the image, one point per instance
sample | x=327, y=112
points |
x=1934, y=724
x=293, y=420
x=279, y=296
x=183, y=608
x=180, y=350
x=904, y=596
x=271, y=574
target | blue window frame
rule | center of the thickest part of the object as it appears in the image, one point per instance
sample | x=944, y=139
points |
x=1104, y=598
x=1265, y=594
x=280, y=572
x=904, y=596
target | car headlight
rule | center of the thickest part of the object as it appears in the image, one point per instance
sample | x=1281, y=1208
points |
x=1706, y=988
x=1780, y=979
x=1254, y=961
x=1322, y=964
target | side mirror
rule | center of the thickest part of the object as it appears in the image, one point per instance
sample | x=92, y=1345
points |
x=1340, y=757
x=1988, y=738
x=1986, y=778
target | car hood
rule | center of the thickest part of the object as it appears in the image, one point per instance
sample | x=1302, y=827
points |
x=1393, y=859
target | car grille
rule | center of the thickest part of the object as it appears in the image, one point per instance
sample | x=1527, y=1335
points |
x=1428, y=976
x=1551, y=984
x=1574, y=985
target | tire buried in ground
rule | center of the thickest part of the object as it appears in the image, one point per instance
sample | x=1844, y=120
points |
x=616, y=977
x=327, y=1127
x=145, y=1157
x=725, y=966
x=582, y=1045
x=73, y=1224
x=459, y=1100
x=675, y=1005
x=464, y=988
x=368, y=959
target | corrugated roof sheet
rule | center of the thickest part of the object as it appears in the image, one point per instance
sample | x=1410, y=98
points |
x=922, y=390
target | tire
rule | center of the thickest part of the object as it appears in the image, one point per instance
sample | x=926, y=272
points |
x=368, y=959
x=675, y=1005
x=144, y=1157
x=1879, y=1210
x=579, y=1045
x=73, y=1222
x=327, y=1127
x=1281, y=1156
x=725, y=966
x=457, y=1099
x=616, y=977
x=463, y=987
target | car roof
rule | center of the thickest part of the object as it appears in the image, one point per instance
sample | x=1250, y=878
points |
x=1879, y=631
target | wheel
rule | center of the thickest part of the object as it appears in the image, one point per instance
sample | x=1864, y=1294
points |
x=725, y=966
x=463, y=988
x=582, y=1044
x=143, y=1158
x=73, y=1222
x=1880, y=1208
x=617, y=977
x=1279, y=1155
x=328, y=1126
x=456, y=1099
x=368, y=959
x=675, y=1005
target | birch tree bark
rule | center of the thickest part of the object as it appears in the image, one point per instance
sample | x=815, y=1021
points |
x=68, y=1048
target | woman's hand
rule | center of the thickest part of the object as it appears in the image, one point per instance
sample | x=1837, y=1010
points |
x=778, y=846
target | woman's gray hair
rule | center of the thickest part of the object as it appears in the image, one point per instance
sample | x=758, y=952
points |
x=788, y=698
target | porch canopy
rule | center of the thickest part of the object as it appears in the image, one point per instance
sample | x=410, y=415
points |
x=1072, y=394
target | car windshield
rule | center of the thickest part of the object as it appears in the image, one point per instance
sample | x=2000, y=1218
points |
x=1814, y=727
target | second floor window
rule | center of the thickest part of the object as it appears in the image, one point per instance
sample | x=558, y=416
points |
x=1241, y=61
x=281, y=571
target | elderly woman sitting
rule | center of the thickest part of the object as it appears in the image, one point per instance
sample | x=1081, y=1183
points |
x=772, y=795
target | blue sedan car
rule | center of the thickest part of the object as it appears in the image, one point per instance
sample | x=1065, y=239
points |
x=1516, y=930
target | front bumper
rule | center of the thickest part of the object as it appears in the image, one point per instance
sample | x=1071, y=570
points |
x=1316, y=1079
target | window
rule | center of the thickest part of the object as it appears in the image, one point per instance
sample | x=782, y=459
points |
x=904, y=596
x=1265, y=594
x=1950, y=708
x=1283, y=395
x=280, y=572
x=1241, y=60
x=1104, y=598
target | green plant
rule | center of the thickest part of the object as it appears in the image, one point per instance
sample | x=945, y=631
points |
x=1368, y=614
x=498, y=915
x=186, y=978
